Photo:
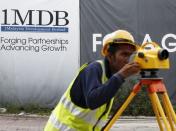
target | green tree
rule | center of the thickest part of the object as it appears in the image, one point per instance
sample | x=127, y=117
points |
x=140, y=105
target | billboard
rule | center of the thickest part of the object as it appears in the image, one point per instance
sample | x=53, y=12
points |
x=41, y=47
x=39, y=50
x=146, y=20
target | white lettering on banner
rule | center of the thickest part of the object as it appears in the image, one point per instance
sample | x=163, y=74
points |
x=163, y=42
x=147, y=39
x=95, y=42
x=170, y=46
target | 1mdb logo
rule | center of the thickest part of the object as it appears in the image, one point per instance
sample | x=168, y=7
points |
x=34, y=20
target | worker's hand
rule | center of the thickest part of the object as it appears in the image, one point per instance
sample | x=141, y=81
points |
x=129, y=69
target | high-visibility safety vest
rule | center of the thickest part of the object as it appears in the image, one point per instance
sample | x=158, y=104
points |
x=69, y=117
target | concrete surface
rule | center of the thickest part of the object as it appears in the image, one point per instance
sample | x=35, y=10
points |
x=22, y=123
x=36, y=123
x=136, y=124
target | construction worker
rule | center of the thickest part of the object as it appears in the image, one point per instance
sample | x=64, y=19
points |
x=88, y=100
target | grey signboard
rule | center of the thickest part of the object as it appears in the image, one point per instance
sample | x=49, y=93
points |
x=146, y=20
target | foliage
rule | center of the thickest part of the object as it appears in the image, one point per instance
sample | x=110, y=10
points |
x=27, y=109
x=140, y=105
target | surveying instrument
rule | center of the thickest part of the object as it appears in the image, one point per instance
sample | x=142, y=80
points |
x=151, y=58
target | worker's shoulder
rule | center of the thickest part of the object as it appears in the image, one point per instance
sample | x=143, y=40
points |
x=94, y=65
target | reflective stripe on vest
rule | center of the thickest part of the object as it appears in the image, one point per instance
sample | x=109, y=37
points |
x=68, y=116
x=58, y=125
x=76, y=111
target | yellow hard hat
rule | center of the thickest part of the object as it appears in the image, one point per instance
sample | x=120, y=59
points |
x=117, y=37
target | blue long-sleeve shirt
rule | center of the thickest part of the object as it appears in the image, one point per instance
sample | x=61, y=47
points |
x=88, y=90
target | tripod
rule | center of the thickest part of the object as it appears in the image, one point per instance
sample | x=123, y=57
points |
x=155, y=86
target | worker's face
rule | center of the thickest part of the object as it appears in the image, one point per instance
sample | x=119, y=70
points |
x=120, y=57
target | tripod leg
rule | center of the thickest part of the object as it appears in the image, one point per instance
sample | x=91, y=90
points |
x=156, y=112
x=168, y=114
x=120, y=111
x=166, y=97
x=160, y=109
